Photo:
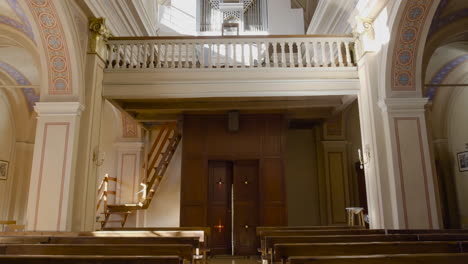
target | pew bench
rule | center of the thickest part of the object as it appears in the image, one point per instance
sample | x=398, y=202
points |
x=261, y=229
x=92, y=259
x=269, y=242
x=282, y=252
x=185, y=252
x=440, y=258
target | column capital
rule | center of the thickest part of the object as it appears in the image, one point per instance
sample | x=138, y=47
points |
x=58, y=108
x=99, y=36
x=401, y=105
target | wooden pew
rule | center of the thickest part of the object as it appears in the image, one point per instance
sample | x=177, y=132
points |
x=183, y=251
x=271, y=241
x=260, y=229
x=343, y=232
x=193, y=241
x=282, y=252
x=23, y=239
x=83, y=259
x=427, y=231
x=441, y=258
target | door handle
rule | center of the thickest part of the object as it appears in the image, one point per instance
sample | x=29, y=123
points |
x=246, y=226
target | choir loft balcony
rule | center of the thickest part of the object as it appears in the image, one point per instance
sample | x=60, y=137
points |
x=230, y=66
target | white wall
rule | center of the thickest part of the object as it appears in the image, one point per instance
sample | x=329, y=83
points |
x=178, y=17
x=282, y=20
x=164, y=210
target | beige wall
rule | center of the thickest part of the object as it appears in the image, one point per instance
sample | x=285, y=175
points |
x=353, y=136
x=457, y=125
x=164, y=210
x=7, y=140
x=302, y=178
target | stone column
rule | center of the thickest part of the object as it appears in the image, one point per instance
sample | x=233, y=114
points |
x=89, y=149
x=53, y=169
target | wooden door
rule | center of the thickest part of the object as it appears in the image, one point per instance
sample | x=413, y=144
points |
x=219, y=206
x=246, y=210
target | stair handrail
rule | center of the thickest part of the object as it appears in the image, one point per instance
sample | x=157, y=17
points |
x=170, y=128
x=103, y=191
x=103, y=195
x=161, y=144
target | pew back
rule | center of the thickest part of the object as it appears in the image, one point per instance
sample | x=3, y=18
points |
x=183, y=251
x=53, y=259
x=285, y=251
x=385, y=259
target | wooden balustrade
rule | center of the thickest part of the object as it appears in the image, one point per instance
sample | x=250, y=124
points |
x=305, y=51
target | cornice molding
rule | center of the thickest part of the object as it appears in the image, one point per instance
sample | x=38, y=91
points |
x=58, y=108
x=403, y=104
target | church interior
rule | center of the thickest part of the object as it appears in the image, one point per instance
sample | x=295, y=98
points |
x=234, y=131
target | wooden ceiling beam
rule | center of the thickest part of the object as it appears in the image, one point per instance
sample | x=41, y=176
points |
x=175, y=107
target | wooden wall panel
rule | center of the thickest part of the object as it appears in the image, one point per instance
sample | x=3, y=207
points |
x=273, y=182
x=194, y=187
x=194, y=141
x=337, y=187
x=272, y=140
x=260, y=138
x=193, y=215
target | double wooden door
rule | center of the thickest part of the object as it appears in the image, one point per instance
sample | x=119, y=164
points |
x=233, y=212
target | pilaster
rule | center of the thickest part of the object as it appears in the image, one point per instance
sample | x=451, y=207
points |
x=52, y=177
x=411, y=176
x=86, y=184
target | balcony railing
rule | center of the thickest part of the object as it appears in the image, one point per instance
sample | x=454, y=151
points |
x=223, y=53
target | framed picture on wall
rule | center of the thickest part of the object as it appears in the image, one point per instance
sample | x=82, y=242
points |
x=3, y=169
x=462, y=161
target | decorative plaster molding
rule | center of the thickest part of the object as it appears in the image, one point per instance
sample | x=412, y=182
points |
x=58, y=108
x=130, y=127
x=365, y=26
x=403, y=104
x=99, y=36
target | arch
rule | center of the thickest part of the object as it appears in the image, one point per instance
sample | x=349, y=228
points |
x=409, y=23
x=55, y=46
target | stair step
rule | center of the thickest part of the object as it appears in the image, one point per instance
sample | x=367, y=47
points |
x=112, y=221
x=122, y=208
x=120, y=213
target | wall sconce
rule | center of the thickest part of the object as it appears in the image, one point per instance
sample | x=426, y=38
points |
x=364, y=157
x=98, y=157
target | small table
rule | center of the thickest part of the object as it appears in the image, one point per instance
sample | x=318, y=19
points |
x=359, y=211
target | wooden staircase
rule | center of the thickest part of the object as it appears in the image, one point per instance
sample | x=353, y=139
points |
x=157, y=160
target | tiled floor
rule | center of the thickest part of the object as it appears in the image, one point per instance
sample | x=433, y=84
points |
x=233, y=260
